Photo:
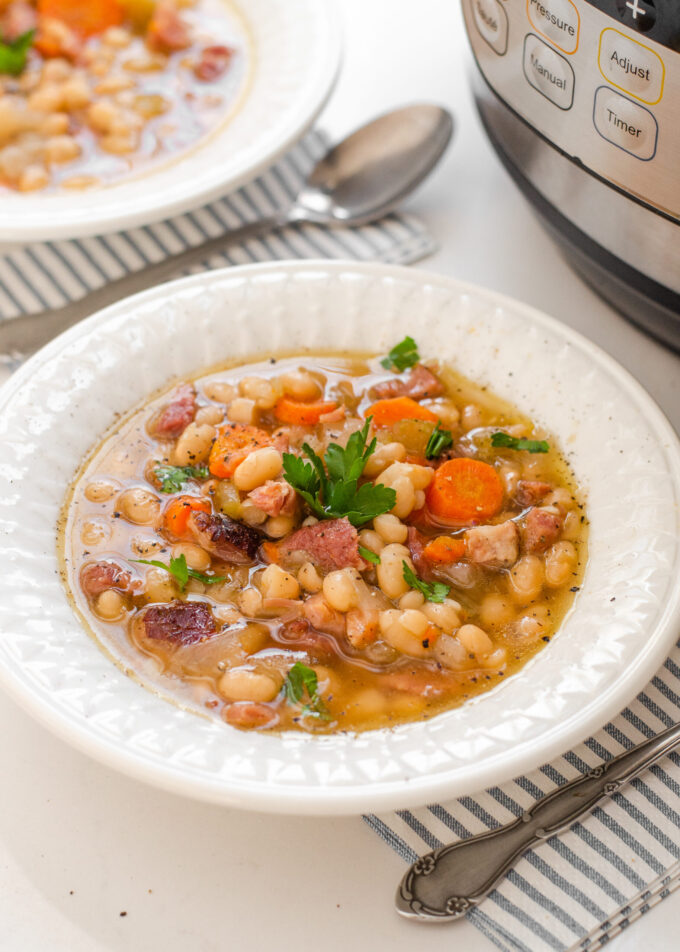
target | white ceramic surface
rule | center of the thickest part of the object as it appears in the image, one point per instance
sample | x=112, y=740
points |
x=622, y=449
x=295, y=53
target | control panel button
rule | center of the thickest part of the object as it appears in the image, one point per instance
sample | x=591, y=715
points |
x=631, y=66
x=492, y=22
x=548, y=72
x=624, y=123
x=638, y=14
x=556, y=20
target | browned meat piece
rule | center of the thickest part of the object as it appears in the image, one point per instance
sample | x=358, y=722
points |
x=495, y=546
x=250, y=715
x=332, y=544
x=213, y=63
x=299, y=634
x=419, y=384
x=462, y=574
x=167, y=30
x=178, y=414
x=180, y=623
x=223, y=537
x=17, y=19
x=416, y=544
x=542, y=528
x=531, y=491
x=275, y=498
x=98, y=577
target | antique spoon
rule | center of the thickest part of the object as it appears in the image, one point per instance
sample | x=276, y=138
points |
x=359, y=180
x=445, y=884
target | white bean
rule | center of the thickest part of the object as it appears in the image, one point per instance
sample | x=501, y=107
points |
x=475, y=640
x=139, y=506
x=220, y=391
x=242, y=684
x=259, y=466
x=445, y=615
x=526, y=579
x=242, y=410
x=109, y=605
x=340, y=590
x=196, y=557
x=309, y=578
x=276, y=583
x=560, y=562
x=390, y=571
x=193, y=445
x=390, y=528
x=383, y=457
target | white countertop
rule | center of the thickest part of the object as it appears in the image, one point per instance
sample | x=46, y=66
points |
x=80, y=845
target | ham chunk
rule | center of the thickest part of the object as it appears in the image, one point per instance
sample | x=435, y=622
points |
x=419, y=384
x=250, y=715
x=98, y=577
x=331, y=544
x=179, y=623
x=321, y=616
x=177, y=414
x=275, y=498
x=213, y=63
x=494, y=546
x=531, y=491
x=223, y=537
x=167, y=30
x=299, y=634
x=542, y=527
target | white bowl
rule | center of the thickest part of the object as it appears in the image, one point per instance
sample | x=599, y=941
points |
x=295, y=55
x=624, y=453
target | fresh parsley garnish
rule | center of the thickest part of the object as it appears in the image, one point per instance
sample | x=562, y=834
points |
x=439, y=441
x=514, y=443
x=301, y=681
x=433, y=592
x=368, y=555
x=174, y=478
x=403, y=356
x=13, y=53
x=182, y=573
x=333, y=492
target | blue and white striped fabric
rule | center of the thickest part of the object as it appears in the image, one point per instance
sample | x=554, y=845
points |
x=580, y=889
x=40, y=276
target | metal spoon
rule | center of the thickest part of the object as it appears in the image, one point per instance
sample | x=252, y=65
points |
x=446, y=884
x=359, y=180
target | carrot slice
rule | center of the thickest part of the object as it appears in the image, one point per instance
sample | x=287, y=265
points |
x=178, y=510
x=388, y=412
x=444, y=549
x=234, y=442
x=465, y=490
x=302, y=414
x=86, y=19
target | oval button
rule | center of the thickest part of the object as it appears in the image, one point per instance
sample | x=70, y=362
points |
x=548, y=72
x=492, y=22
x=557, y=20
x=625, y=124
x=630, y=66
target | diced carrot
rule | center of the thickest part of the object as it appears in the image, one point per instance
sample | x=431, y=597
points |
x=178, y=510
x=270, y=552
x=444, y=549
x=388, y=412
x=234, y=442
x=299, y=413
x=465, y=490
x=86, y=19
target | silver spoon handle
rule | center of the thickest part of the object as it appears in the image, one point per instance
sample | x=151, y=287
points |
x=447, y=883
x=22, y=336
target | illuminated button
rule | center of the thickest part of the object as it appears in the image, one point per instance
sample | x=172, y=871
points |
x=557, y=20
x=548, y=72
x=492, y=22
x=625, y=124
x=631, y=66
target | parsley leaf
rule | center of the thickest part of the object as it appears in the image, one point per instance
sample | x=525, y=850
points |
x=332, y=492
x=13, y=53
x=302, y=680
x=182, y=573
x=403, y=356
x=438, y=442
x=368, y=555
x=514, y=443
x=433, y=592
x=174, y=478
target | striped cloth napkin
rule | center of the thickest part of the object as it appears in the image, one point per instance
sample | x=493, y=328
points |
x=579, y=889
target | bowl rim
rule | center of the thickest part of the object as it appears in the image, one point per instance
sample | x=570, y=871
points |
x=345, y=800
x=54, y=223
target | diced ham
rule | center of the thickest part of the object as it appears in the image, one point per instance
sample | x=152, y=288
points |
x=494, y=546
x=223, y=537
x=18, y=19
x=299, y=633
x=167, y=30
x=98, y=577
x=321, y=616
x=542, y=527
x=212, y=63
x=416, y=545
x=362, y=627
x=274, y=497
x=177, y=414
x=331, y=544
x=250, y=715
x=180, y=623
x=419, y=384
x=531, y=491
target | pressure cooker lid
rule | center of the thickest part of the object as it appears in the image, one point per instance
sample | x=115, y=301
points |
x=657, y=19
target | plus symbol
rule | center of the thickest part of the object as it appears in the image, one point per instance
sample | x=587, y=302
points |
x=636, y=8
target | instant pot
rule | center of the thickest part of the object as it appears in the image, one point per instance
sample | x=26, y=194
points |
x=581, y=100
